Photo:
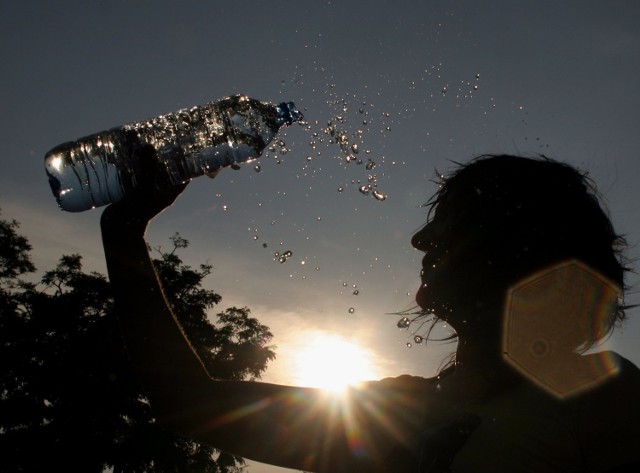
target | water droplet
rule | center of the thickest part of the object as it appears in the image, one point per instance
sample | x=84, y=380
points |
x=408, y=345
x=264, y=245
x=257, y=168
x=365, y=189
x=351, y=310
x=418, y=339
x=404, y=322
x=379, y=195
x=356, y=292
x=255, y=237
x=344, y=284
x=354, y=148
x=340, y=189
x=225, y=207
x=371, y=165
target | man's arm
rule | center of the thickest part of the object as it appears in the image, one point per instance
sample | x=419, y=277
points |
x=157, y=347
x=293, y=427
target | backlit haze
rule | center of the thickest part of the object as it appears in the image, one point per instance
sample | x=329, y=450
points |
x=415, y=86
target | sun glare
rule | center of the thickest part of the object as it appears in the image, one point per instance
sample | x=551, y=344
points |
x=332, y=363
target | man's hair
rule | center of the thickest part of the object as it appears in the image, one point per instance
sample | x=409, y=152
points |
x=530, y=213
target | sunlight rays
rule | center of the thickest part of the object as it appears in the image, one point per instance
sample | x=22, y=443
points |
x=331, y=363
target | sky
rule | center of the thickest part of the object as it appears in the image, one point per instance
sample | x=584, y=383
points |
x=418, y=86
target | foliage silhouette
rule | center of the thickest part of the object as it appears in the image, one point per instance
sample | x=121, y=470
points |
x=69, y=399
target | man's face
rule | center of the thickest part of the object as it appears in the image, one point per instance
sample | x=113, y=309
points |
x=456, y=269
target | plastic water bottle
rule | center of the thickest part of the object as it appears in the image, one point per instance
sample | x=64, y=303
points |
x=101, y=168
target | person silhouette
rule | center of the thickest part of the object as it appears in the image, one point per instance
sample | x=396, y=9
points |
x=510, y=242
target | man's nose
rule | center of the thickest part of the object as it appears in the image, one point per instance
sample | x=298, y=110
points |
x=419, y=240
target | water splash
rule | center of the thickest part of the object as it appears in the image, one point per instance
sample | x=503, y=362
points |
x=282, y=257
x=349, y=139
x=365, y=189
x=379, y=195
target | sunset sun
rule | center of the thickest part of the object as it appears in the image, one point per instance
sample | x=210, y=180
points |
x=332, y=363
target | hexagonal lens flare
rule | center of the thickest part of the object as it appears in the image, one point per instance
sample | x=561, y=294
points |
x=549, y=316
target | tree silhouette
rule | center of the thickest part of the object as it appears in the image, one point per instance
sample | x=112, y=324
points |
x=69, y=399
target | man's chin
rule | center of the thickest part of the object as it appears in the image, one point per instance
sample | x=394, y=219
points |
x=432, y=305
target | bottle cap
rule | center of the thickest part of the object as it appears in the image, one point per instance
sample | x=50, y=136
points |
x=288, y=113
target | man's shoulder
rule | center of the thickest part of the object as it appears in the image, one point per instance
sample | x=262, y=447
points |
x=619, y=392
x=609, y=415
x=625, y=372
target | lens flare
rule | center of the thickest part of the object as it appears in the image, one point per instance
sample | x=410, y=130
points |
x=549, y=317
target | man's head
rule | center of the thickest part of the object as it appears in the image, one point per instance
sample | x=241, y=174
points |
x=499, y=219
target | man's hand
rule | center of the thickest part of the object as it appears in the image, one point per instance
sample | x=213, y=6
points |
x=151, y=196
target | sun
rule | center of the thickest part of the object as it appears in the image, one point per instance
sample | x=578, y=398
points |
x=332, y=363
